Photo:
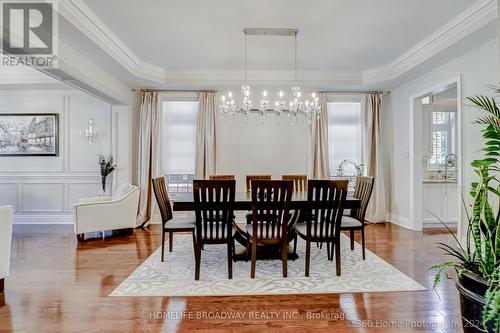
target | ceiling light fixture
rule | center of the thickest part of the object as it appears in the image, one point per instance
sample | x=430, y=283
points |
x=294, y=108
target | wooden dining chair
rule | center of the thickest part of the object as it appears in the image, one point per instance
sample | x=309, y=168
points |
x=299, y=185
x=221, y=177
x=270, y=216
x=299, y=182
x=323, y=216
x=214, y=206
x=170, y=224
x=250, y=178
x=356, y=219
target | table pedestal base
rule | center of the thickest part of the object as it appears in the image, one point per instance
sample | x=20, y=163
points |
x=264, y=252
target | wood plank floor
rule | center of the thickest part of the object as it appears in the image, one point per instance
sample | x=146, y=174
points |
x=57, y=285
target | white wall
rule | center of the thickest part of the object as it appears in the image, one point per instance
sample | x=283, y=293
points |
x=478, y=68
x=255, y=148
x=43, y=189
x=262, y=149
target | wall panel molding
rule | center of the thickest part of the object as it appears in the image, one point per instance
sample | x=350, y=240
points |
x=44, y=192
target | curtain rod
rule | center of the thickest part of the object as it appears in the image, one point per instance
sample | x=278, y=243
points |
x=177, y=90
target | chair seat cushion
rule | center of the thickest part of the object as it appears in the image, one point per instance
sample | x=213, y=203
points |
x=350, y=222
x=181, y=223
x=301, y=229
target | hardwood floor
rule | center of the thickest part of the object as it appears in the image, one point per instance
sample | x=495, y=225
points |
x=59, y=285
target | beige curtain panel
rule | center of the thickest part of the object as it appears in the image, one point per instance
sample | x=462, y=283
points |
x=376, y=211
x=320, y=165
x=206, y=136
x=148, y=153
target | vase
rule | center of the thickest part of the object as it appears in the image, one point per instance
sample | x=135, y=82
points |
x=107, y=185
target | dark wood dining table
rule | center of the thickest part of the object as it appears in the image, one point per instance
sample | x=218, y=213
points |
x=184, y=202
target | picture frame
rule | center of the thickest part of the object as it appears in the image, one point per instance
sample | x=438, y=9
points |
x=29, y=134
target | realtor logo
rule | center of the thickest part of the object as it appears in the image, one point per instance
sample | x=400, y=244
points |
x=28, y=33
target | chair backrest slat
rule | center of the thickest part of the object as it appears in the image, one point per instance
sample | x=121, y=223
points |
x=250, y=178
x=161, y=194
x=270, y=208
x=214, y=205
x=299, y=182
x=325, y=205
x=363, y=192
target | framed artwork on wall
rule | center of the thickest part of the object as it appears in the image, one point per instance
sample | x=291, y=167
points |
x=29, y=134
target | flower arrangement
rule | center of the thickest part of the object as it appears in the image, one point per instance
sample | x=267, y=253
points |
x=107, y=167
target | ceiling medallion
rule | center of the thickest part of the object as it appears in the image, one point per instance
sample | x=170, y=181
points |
x=294, y=107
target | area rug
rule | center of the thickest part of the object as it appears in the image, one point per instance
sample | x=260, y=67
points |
x=175, y=276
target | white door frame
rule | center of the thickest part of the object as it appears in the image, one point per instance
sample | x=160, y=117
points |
x=415, y=147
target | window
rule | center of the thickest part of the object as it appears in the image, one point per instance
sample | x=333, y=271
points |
x=443, y=137
x=344, y=135
x=178, y=144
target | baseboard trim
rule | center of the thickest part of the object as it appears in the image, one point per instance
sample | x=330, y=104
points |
x=43, y=219
x=401, y=221
x=432, y=222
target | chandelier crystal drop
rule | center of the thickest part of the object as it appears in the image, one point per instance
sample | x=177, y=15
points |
x=294, y=108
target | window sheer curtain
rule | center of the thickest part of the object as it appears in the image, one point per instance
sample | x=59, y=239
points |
x=206, y=136
x=376, y=211
x=149, y=155
x=320, y=166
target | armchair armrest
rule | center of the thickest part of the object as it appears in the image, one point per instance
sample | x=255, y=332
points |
x=93, y=200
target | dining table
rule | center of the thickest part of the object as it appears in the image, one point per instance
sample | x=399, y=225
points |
x=184, y=202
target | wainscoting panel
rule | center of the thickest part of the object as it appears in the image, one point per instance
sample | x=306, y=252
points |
x=81, y=190
x=42, y=197
x=43, y=190
x=9, y=194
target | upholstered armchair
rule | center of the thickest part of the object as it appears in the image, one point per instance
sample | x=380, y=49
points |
x=107, y=213
x=5, y=241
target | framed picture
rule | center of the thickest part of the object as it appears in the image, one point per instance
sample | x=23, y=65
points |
x=29, y=134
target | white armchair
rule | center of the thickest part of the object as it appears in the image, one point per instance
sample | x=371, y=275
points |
x=107, y=213
x=5, y=241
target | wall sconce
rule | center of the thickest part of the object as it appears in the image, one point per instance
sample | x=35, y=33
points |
x=89, y=132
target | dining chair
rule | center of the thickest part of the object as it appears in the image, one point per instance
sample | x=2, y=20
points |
x=323, y=215
x=214, y=205
x=170, y=224
x=250, y=178
x=221, y=177
x=299, y=185
x=356, y=219
x=270, y=216
x=299, y=182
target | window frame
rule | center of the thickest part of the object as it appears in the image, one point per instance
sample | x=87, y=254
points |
x=175, y=97
x=348, y=98
x=448, y=128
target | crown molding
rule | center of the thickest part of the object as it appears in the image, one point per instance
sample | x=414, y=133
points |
x=90, y=25
x=472, y=19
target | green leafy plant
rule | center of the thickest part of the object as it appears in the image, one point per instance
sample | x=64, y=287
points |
x=480, y=255
x=107, y=166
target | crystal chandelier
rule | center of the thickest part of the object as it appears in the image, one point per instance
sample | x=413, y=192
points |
x=294, y=108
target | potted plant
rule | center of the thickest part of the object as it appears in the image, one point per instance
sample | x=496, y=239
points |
x=107, y=167
x=477, y=262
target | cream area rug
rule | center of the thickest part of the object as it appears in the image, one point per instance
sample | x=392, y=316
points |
x=175, y=276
